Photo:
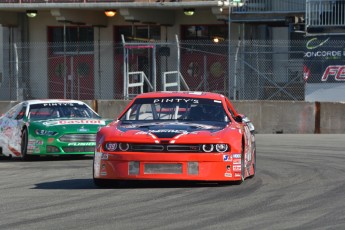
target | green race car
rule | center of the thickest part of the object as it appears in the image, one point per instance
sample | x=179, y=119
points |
x=49, y=127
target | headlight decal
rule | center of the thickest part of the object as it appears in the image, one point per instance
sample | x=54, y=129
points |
x=124, y=146
x=115, y=146
x=219, y=148
x=42, y=132
x=110, y=146
x=207, y=148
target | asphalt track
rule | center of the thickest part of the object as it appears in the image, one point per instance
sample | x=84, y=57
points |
x=299, y=185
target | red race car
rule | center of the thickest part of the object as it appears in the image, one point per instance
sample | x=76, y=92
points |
x=194, y=136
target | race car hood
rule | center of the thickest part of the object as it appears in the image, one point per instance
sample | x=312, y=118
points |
x=69, y=125
x=170, y=129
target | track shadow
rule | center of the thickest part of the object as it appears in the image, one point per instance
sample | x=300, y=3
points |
x=45, y=158
x=67, y=184
x=88, y=184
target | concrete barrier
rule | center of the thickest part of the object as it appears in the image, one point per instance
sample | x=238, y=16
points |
x=267, y=116
x=332, y=117
x=111, y=108
x=279, y=116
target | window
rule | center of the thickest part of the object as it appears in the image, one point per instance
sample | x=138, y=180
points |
x=183, y=109
x=204, y=32
x=77, y=40
x=21, y=113
x=140, y=33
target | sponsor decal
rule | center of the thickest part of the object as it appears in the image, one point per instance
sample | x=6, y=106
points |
x=39, y=142
x=58, y=104
x=228, y=168
x=98, y=122
x=103, y=170
x=83, y=130
x=51, y=140
x=82, y=144
x=228, y=175
x=237, y=168
x=237, y=162
x=328, y=54
x=315, y=43
x=176, y=100
x=31, y=142
x=104, y=156
x=335, y=71
x=168, y=131
x=141, y=133
x=227, y=158
x=236, y=155
x=71, y=122
x=238, y=175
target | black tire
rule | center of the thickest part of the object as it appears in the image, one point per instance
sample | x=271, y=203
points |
x=242, y=168
x=24, y=146
x=254, y=166
x=103, y=183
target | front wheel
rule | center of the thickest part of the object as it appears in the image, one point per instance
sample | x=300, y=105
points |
x=24, y=146
x=254, y=166
x=242, y=169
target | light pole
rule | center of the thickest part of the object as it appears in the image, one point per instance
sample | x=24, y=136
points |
x=229, y=4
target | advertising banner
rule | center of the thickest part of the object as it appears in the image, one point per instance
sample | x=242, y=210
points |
x=324, y=60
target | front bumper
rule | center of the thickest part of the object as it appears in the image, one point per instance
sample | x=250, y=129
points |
x=52, y=146
x=167, y=166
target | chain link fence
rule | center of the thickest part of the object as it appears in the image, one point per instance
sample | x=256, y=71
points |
x=256, y=70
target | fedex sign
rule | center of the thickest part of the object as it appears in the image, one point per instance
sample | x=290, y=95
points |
x=335, y=71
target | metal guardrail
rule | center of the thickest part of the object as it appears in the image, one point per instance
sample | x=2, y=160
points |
x=140, y=83
x=271, y=6
x=321, y=13
x=176, y=83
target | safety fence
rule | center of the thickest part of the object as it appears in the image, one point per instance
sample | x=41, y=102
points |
x=243, y=70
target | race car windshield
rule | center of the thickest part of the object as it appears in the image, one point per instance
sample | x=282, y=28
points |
x=184, y=109
x=60, y=110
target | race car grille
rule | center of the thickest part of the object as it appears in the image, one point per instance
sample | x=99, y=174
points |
x=165, y=148
x=78, y=138
x=78, y=149
x=162, y=168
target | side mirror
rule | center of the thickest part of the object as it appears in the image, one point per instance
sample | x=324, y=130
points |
x=249, y=123
x=238, y=119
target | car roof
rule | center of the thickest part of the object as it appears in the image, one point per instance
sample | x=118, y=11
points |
x=40, y=101
x=191, y=94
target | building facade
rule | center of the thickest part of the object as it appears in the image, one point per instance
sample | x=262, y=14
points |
x=71, y=49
